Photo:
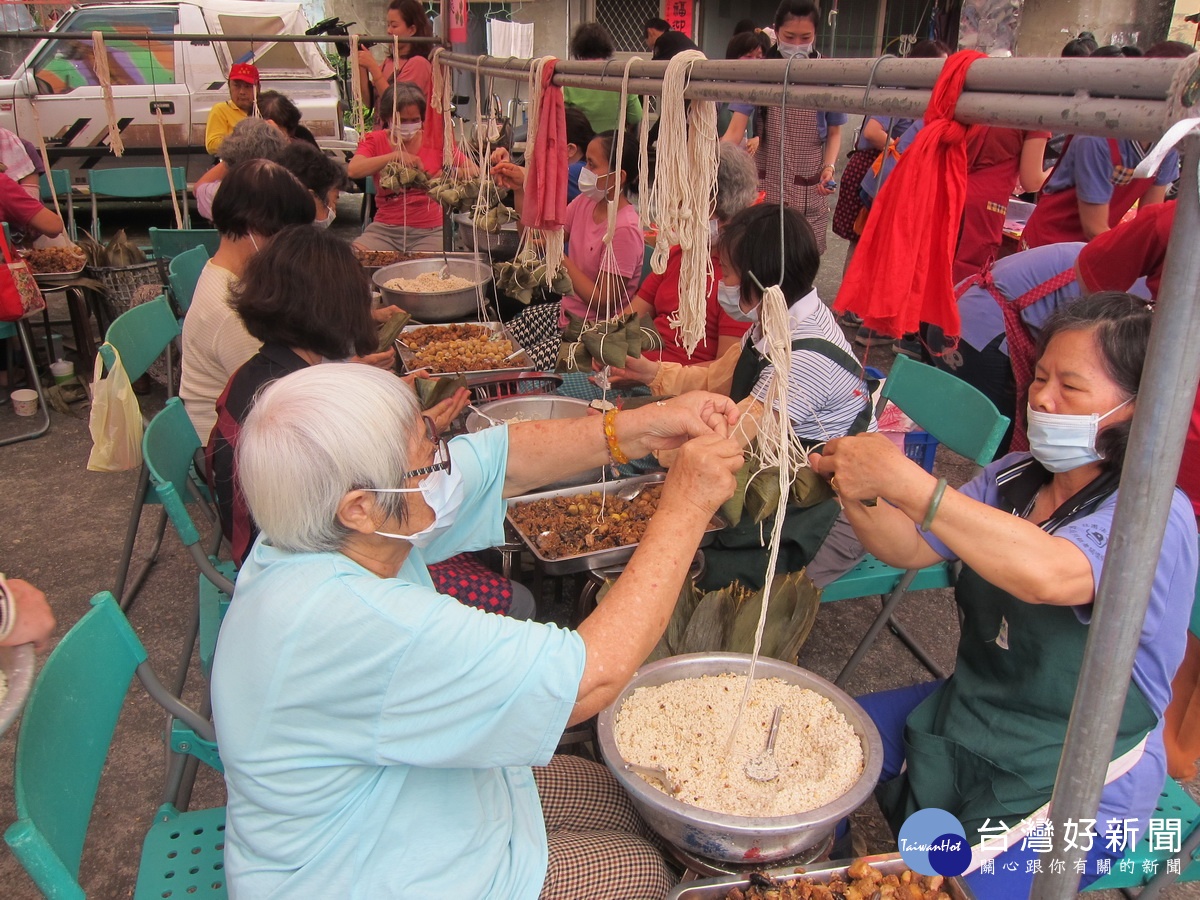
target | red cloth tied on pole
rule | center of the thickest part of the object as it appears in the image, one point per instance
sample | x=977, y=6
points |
x=902, y=272
x=546, y=181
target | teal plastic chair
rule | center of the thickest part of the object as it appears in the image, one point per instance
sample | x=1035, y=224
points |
x=167, y=243
x=61, y=181
x=967, y=422
x=183, y=272
x=20, y=330
x=1147, y=868
x=140, y=335
x=65, y=737
x=137, y=183
x=169, y=446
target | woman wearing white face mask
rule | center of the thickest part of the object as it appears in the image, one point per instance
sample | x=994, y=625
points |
x=405, y=220
x=323, y=175
x=371, y=728
x=1031, y=532
x=809, y=140
x=826, y=390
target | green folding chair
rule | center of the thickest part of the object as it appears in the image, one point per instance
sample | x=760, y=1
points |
x=65, y=737
x=167, y=243
x=183, y=272
x=1153, y=868
x=137, y=183
x=967, y=422
x=20, y=330
x=140, y=336
x=59, y=183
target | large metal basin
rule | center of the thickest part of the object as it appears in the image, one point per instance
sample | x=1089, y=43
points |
x=500, y=246
x=534, y=408
x=721, y=836
x=435, y=306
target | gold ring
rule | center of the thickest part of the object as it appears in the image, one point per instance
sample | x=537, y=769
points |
x=833, y=484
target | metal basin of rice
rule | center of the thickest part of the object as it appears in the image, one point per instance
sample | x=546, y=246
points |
x=730, y=838
x=434, y=306
x=531, y=409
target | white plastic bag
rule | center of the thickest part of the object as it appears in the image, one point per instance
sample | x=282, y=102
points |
x=116, y=421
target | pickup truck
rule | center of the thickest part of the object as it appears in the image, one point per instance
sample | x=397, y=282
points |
x=183, y=79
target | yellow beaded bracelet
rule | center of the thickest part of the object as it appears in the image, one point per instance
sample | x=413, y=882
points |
x=610, y=434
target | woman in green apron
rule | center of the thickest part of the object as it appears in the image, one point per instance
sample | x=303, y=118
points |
x=1031, y=532
x=827, y=395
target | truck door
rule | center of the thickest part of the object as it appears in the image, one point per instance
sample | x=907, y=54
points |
x=146, y=75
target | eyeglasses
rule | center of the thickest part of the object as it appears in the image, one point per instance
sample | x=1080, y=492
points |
x=441, y=457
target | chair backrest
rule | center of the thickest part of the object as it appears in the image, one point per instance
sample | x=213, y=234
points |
x=951, y=410
x=169, y=446
x=137, y=182
x=61, y=179
x=140, y=336
x=65, y=737
x=168, y=243
x=183, y=272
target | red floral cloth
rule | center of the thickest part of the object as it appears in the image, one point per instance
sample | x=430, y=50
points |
x=546, y=182
x=908, y=243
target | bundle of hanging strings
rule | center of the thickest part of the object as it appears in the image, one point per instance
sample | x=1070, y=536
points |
x=777, y=446
x=442, y=97
x=356, y=88
x=104, y=76
x=684, y=194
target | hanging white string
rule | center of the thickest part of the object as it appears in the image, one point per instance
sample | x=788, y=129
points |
x=443, y=101
x=105, y=77
x=684, y=195
x=162, y=137
x=356, y=89
x=645, y=208
x=37, y=127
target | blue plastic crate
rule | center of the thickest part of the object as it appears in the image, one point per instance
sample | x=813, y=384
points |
x=921, y=448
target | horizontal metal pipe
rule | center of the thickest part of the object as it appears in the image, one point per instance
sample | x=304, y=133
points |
x=1149, y=79
x=253, y=38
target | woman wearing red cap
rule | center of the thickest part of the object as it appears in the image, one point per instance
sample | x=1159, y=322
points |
x=243, y=86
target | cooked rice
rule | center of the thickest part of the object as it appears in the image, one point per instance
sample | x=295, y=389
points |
x=428, y=283
x=683, y=726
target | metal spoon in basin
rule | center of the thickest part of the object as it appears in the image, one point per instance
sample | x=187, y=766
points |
x=631, y=491
x=763, y=767
x=658, y=774
x=479, y=412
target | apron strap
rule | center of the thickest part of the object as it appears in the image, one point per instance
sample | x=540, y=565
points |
x=993, y=847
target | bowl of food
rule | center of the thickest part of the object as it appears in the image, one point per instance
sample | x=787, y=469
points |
x=377, y=259
x=418, y=286
x=534, y=408
x=53, y=266
x=677, y=714
x=500, y=245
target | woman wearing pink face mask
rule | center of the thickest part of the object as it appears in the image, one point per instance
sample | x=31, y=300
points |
x=1031, y=532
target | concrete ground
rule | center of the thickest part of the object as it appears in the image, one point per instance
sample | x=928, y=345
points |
x=63, y=531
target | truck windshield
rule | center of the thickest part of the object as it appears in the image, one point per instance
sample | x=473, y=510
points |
x=64, y=65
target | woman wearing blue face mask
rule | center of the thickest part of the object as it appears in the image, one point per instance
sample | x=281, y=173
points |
x=1031, y=532
x=374, y=732
x=827, y=393
x=809, y=140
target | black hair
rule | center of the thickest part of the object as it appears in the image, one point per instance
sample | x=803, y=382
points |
x=579, y=128
x=744, y=25
x=750, y=244
x=1170, y=50
x=409, y=95
x=591, y=40
x=1108, y=51
x=629, y=156
x=1120, y=326
x=316, y=171
x=262, y=197
x=1131, y=51
x=928, y=50
x=797, y=9
x=1089, y=40
x=657, y=24
x=413, y=13
x=1076, y=48
x=742, y=43
x=278, y=300
x=277, y=108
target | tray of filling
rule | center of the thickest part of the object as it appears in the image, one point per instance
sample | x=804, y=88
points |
x=883, y=875
x=53, y=266
x=573, y=530
x=478, y=350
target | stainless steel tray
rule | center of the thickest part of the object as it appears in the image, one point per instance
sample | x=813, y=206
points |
x=596, y=559
x=520, y=363
x=887, y=863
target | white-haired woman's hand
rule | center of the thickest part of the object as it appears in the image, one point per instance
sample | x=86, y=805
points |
x=672, y=423
x=703, y=477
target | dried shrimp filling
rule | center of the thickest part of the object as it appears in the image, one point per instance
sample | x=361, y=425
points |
x=375, y=258
x=583, y=523
x=55, y=260
x=864, y=882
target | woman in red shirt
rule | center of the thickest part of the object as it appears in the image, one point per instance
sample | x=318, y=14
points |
x=407, y=219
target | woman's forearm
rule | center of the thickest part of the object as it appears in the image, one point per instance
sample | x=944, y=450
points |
x=833, y=145
x=361, y=166
x=737, y=128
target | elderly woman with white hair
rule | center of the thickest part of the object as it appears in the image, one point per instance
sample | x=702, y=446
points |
x=251, y=138
x=377, y=735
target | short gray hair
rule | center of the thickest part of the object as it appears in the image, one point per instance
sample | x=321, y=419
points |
x=315, y=435
x=737, y=181
x=252, y=138
x=405, y=93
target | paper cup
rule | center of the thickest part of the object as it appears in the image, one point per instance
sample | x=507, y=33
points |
x=63, y=371
x=25, y=402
